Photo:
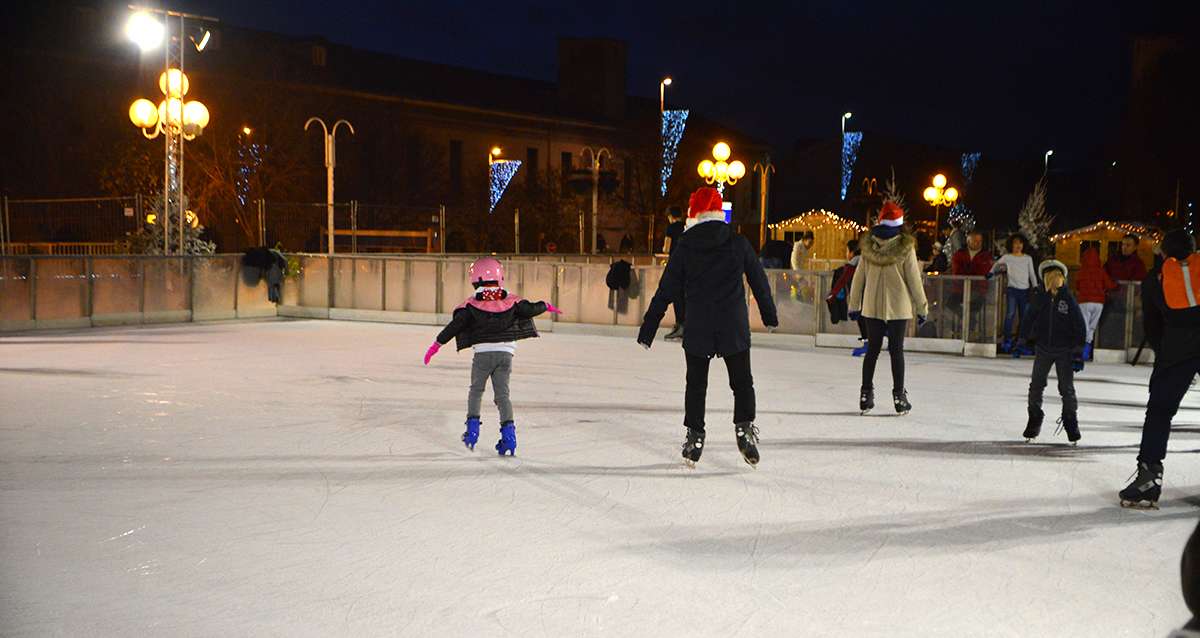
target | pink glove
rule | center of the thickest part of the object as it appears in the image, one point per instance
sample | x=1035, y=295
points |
x=551, y=309
x=432, y=351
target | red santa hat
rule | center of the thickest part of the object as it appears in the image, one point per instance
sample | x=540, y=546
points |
x=704, y=205
x=891, y=215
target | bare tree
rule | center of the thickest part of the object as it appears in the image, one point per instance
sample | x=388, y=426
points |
x=1033, y=219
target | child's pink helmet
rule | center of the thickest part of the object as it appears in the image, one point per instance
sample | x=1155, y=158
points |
x=487, y=269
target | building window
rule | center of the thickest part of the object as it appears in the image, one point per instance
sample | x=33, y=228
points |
x=531, y=167
x=456, y=169
x=318, y=55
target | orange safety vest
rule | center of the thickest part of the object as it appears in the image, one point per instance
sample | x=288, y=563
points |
x=1181, y=282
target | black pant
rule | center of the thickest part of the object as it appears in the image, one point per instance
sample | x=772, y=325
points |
x=680, y=311
x=1167, y=389
x=894, y=331
x=1060, y=360
x=862, y=328
x=740, y=381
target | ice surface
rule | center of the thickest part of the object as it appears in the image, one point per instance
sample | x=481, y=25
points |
x=306, y=478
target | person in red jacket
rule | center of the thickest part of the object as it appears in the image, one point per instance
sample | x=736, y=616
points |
x=973, y=259
x=1126, y=266
x=1093, y=284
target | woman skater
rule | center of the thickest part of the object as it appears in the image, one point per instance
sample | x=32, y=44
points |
x=886, y=292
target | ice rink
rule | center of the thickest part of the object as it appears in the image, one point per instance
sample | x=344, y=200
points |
x=305, y=478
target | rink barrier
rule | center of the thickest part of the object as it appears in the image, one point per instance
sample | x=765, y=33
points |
x=48, y=292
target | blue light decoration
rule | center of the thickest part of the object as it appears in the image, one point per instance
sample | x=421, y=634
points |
x=501, y=173
x=673, y=124
x=851, y=140
x=969, y=162
x=250, y=158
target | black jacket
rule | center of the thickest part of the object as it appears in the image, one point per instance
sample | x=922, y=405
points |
x=471, y=326
x=1054, y=322
x=707, y=270
x=1173, y=334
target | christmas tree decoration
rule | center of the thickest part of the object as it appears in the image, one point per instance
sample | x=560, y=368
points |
x=148, y=240
x=673, y=124
x=501, y=173
x=970, y=161
x=850, y=142
x=1033, y=219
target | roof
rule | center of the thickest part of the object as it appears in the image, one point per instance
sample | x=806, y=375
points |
x=821, y=217
x=1121, y=227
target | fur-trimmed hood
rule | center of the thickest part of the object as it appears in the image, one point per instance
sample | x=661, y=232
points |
x=887, y=252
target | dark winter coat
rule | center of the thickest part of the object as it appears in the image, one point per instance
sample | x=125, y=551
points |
x=1054, y=322
x=1174, y=335
x=471, y=326
x=1122, y=268
x=707, y=269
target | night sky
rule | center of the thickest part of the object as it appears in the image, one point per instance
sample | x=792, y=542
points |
x=1013, y=78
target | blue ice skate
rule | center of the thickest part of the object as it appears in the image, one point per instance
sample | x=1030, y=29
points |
x=1087, y=352
x=471, y=436
x=859, y=351
x=508, y=439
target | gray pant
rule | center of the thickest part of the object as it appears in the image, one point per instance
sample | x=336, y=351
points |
x=1060, y=360
x=498, y=367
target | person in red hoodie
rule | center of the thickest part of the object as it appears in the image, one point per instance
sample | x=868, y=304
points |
x=1093, y=284
x=973, y=259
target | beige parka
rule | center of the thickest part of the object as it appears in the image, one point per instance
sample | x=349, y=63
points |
x=887, y=283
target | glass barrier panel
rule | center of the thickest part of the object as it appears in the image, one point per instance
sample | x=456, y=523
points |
x=61, y=288
x=116, y=286
x=598, y=301
x=632, y=303
x=215, y=286
x=537, y=281
x=945, y=308
x=368, y=284
x=984, y=310
x=825, y=321
x=253, y=298
x=14, y=289
x=1110, y=334
x=167, y=285
x=648, y=280
x=795, y=299
x=1139, y=329
x=456, y=285
x=420, y=287
x=570, y=289
x=343, y=282
x=313, y=282
x=396, y=288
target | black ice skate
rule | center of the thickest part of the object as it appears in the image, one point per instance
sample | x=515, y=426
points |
x=1069, y=422
x=866, y=400
x=1034, y=427
x=676, y=333
x=1146, y=488
x=900, y=398
x=693, y=447
x=747, y=441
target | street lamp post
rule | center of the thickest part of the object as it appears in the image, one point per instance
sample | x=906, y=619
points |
x=174, y=119
x=720, y=172
x=662, y=94
x=597, y=155
x=330, y=138
x=845, y=116
x=764, y=171
x=939, y=195
x=1046, y=161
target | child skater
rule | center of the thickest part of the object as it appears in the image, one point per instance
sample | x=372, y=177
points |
x=706, y=269
x=490, y=323
x=1056, y=324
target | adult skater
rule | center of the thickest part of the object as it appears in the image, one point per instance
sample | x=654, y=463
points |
x=887, y=291
x=670, y=240
x=706, y=270
x=840, y=290
x=1171, y=307
x=490, y=323
x=1021, y=279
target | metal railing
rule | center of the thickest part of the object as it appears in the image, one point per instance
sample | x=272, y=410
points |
x=54, y=292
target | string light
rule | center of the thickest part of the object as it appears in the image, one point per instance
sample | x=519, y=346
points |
x=969, y=162
x=818, y=219
x=1121, y=227
x=250, y=158
x=851, y=140
x=502, y=172
x=673, y=124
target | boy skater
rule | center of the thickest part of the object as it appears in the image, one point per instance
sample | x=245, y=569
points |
x=1055, y=323
x=706, y=270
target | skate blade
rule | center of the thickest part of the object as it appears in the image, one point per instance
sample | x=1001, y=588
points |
x=1028, y=440
x=865, y=412
x=1139, y=505
x=689, y=464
